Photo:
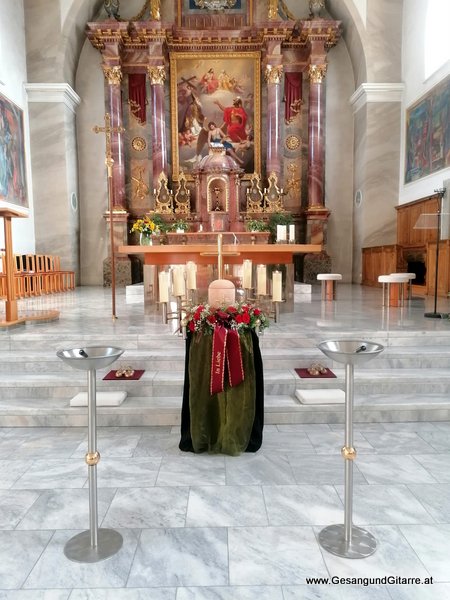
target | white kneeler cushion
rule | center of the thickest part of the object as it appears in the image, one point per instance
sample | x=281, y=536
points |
x=102, y=399
x=321, y=396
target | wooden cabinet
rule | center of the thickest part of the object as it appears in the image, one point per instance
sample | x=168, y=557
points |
x=443, y=287
x=380, y=260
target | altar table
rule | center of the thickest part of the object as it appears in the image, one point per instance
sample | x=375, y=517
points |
x=231, y=421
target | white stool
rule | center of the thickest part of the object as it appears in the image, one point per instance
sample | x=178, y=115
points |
x=411, y=276
x=329, y=284
x=395, y=293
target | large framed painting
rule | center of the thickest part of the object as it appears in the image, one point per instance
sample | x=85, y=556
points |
x=428, y=133
x=13, y=184
x=215, y=98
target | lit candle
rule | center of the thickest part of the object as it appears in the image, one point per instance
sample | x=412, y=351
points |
x=292, y=233
x=163, y=287
x=178, y=281
x=281, y=233
x=261, y=284
x=277, y=286
x=191, y=275
x=247, y=275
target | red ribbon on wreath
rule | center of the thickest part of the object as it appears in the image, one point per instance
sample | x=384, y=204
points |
x=226, y=350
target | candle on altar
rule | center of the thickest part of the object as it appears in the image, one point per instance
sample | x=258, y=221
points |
x=163, y=286
x=277, y=286
x=281, y=233
x=261, y=280
x=247, y=275
x=191, y=275
x=178, y=281
x=292, y=233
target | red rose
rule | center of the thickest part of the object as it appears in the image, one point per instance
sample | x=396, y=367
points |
x=246, y=318
x=256, y=312
x=211, y=319
x=232, y=310
x=238, y=318
x=191, y=326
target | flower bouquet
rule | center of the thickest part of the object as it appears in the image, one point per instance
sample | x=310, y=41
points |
x=238, y=317
x=146, y=228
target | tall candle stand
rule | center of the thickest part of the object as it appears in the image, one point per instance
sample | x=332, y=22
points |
x=347, y=540
x=95, y=544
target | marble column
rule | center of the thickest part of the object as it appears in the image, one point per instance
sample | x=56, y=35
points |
x=316, y=134
x=157, y=76
x=273, y=75
x=113, y=75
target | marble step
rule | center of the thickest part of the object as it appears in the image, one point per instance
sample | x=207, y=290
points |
x=65, y=385
x=172, y=359
x=278, y=409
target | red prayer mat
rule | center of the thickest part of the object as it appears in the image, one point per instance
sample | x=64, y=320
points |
x=112, y=376
x=305, y=374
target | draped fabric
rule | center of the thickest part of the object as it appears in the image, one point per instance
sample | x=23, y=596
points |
x=137, y=96
x=292, y=93
x=229, y=422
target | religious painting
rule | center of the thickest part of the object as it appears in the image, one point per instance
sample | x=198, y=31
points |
x=428, y=133
x=215, y=99
x=13, y=186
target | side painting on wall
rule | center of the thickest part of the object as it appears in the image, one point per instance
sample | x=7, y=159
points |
x=13, y=185
x=428, y=133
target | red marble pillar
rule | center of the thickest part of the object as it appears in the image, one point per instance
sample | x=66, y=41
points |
x=316, y=133
x=157, y=76
x=113, y=75
x=273, y=75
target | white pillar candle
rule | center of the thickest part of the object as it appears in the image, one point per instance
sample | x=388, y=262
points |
x=292, y=233
x=277, y=286
x=191, y=275
x=261, y=283
x=247, y=275
x=163, y=286
x=178, y=281
x=281, y=233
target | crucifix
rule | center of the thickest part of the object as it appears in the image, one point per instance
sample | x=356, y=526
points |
x=109, y=162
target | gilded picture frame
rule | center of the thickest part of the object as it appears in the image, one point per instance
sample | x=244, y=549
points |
x=13, y=181
x=214, y=88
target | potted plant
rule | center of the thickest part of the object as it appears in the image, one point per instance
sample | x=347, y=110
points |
x=180, y=226
x=256, y=225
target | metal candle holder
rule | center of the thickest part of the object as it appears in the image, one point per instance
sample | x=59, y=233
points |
x=96, y=544
x=347, y=540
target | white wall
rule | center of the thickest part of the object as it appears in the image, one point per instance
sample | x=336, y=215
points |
x=13, y=74
x=413, y=75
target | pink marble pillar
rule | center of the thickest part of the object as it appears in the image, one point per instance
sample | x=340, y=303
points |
x=113, y=76
x=157, y=76
x=273, y=76
x=316, y=132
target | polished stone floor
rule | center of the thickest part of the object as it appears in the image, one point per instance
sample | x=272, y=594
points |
x=198, y=527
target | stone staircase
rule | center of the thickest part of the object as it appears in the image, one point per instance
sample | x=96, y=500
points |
x=408, y=381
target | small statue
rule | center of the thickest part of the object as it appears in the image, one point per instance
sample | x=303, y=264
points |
x=216, y=191
x=315, y=6
x=112, y=7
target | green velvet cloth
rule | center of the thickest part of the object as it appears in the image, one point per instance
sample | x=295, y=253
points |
x=221, y=423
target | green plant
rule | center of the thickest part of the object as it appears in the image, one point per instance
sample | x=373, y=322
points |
x=162, y=226
x=256, y=225
x=180, y=224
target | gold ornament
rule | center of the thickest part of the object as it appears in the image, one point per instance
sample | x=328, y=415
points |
x=348, y=453
x=138, y=144
x=92, y=458
x=157, y=75
x=293, y=142
x=113, y=74
x=317, y=73
x=273, y=73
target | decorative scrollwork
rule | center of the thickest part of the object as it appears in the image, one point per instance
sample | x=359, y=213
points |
x=163, y=196
x=255, y=195
x=182, y=196
x=273, y=195
x=140, y=188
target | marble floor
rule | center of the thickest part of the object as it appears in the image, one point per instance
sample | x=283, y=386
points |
x=199, y=527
